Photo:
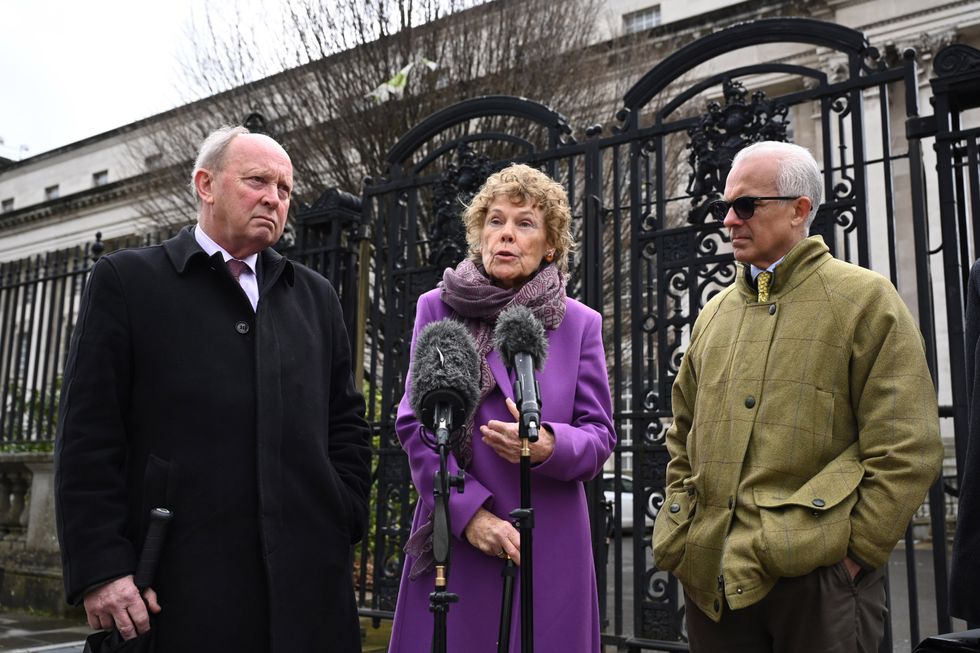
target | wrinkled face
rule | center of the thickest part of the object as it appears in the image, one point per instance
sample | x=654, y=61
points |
x=776, y=226
x=244, y=205
x=513, y=242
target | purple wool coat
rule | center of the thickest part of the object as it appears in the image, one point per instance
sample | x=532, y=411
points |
x=576, y=407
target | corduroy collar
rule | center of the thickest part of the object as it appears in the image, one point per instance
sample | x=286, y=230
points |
x=801, y=261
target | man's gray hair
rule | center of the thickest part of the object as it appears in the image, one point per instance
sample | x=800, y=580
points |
x=798, y=172
x=211, y=154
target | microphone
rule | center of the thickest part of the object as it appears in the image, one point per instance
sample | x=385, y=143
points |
x=520, y=339
x=444, y=378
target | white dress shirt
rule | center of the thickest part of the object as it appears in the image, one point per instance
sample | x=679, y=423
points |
x=248, y=280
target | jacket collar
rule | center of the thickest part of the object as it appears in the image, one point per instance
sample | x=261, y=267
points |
x=183, y=248
x=500, y=373
x=801, y=261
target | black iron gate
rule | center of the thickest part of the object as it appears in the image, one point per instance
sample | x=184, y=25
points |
x=650, y=257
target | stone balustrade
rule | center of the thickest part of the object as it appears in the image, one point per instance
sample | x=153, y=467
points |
x=30, y=561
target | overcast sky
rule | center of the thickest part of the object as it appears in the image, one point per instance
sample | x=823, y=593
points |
x=71, y=69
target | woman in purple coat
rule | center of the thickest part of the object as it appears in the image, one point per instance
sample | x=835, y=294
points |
x=517, y=227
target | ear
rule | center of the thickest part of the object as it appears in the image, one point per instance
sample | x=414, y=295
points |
x=204, y=184
x=801, y=211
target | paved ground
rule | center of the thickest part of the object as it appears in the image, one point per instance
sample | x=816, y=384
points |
x=26, y=633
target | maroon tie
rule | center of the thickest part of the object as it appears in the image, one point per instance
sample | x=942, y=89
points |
x=236, y=267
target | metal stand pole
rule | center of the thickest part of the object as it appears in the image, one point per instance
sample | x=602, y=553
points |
x=440, y=599
x=507, y=606
x=527, y=397
x=524, y=519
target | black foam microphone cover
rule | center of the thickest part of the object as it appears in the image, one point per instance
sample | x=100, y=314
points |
x=520, y=339
x=445, y=373
x=518, y=330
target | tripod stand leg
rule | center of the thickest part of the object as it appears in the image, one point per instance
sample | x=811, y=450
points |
x=507, y=605
x=439, y=632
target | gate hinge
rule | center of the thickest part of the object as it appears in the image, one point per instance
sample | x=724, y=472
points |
x=920, y=127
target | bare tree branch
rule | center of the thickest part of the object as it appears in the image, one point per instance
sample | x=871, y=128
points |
x=310, y=67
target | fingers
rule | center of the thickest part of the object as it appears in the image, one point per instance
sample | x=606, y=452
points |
x=512, y=407
x=139, y=617
x=93, y=621
x=511, y=548
x=126, y=624
x=150, y=596
x=117, y=604
x=503, y=438
x=493, y=535
x=541, y=450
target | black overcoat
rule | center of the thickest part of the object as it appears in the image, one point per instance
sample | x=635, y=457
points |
x=964, y=582
x=246, y=424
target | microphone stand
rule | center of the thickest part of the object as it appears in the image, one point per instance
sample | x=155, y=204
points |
x=440, y=599
x=530, y=421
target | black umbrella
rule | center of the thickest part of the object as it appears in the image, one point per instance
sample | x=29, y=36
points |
x=110, y=641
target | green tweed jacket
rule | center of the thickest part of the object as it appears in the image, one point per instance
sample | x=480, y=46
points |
x=805, y=429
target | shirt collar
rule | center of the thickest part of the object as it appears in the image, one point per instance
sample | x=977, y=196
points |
x=210, y=247
x=755, y=271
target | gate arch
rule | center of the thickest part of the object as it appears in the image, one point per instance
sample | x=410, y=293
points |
x=650, y=256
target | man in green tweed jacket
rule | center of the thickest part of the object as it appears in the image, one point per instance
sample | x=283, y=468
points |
x=805, y=432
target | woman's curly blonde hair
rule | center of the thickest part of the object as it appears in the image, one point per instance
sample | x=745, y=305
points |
x=523, y=184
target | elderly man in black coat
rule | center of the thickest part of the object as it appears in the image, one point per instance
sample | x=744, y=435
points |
x=211, y=376
x=964, y=582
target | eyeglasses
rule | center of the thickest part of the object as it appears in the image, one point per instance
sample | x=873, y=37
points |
x=744, y=206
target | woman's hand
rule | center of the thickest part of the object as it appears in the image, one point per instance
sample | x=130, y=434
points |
x=504, y=438
x=494, y=536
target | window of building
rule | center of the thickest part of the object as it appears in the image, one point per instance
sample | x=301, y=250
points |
x=7, y=205
x=153, y=161
x=644, y=19
x=52, y=192
x=100, y=178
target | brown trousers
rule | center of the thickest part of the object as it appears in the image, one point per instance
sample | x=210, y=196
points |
x=821, y=612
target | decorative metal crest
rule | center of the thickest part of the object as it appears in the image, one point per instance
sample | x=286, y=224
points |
x=455, y=187
x=720, y=133
x=956, y=58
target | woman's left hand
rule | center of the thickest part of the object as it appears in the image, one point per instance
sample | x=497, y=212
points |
x=504, y=438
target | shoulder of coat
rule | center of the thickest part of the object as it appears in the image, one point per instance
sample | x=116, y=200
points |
x=578, y=310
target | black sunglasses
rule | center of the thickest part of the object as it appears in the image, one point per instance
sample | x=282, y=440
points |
x=744, y=206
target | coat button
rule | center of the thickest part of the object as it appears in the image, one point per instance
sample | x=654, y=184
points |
x=717, y=605
x=241, y=327
x=772, y=310
x=738, y=590
x=675, y=507
x=819, y=503
x=749, y=401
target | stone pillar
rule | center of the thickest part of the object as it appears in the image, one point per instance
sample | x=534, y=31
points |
x=30, y=558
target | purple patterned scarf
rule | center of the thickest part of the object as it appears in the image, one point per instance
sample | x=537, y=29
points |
x=477, y=303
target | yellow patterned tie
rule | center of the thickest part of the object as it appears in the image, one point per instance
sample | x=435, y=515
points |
x=762, y=281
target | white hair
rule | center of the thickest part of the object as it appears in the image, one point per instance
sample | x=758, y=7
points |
x=211, y=154
x=798, y=174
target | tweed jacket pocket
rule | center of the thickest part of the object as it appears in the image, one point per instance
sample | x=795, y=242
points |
x=670, y=529
x=810, y=527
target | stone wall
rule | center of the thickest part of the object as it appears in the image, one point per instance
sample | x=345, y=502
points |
x=30, y=560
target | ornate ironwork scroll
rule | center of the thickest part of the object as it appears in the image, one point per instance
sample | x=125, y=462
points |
x=724, y=130
x=456, y=185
